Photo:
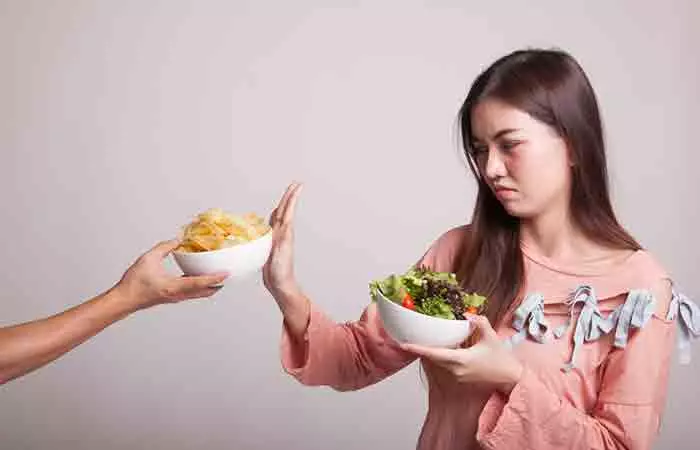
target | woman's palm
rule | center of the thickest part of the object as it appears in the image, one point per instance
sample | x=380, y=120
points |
x=278, y=272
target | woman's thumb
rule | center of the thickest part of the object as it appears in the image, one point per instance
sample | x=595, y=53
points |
x=483, y=326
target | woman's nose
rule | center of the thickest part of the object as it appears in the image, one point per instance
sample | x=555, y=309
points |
x=495, y=166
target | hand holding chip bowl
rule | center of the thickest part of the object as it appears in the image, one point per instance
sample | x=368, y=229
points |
x=217, y=241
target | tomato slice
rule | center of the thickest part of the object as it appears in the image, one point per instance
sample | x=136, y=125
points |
x=408, y=302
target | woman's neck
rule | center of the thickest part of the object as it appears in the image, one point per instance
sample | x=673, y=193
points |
x=555, y=236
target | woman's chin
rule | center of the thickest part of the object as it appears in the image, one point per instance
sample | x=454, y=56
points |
x=517, y=210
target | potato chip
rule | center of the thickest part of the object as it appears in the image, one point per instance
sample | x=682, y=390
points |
x=214, y=229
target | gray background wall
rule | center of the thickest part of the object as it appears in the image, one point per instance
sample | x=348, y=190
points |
x=121, y=119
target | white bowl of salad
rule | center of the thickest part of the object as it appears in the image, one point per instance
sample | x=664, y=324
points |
x=425, y=307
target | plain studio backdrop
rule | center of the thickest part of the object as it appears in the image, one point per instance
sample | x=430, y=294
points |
x=120, y=120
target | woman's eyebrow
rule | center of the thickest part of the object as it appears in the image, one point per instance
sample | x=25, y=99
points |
x=503, y=132
x=499, y=134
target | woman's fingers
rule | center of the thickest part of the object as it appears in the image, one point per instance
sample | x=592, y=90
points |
x=273, y=217
x=283, y=205
x=281, y=218
x=200, y=293
x=163, y=249
x=288, y=213
x=437, y=354
x=483, y=327
x=195, y=286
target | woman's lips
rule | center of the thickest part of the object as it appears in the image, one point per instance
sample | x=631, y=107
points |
x=505, y=193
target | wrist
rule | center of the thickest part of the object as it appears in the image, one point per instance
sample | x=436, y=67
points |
x=123, y=299
x=515, y=373
x=295, y=308
x=286, y=293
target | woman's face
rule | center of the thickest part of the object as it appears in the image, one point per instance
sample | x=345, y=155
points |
x=524, y=161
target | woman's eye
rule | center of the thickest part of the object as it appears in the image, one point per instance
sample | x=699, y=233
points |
x=478, y=150
x=509, y=145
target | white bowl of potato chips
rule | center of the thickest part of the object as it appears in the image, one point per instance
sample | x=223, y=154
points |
x=216, y=241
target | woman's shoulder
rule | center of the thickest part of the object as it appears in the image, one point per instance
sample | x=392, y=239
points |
x=454, y=237
x=443, y=252
x=646, y=264
x=615, y=273
x=642, y=271
x=639, y=275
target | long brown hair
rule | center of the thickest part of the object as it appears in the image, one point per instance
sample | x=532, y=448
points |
x=551, y=87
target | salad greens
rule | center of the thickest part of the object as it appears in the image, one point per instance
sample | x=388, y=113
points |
x=436, y=294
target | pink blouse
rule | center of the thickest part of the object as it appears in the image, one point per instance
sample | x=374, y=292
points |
x=596, y=347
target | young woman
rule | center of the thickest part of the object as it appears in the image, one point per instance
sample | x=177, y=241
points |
x=575, y=349
x=29, y=346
